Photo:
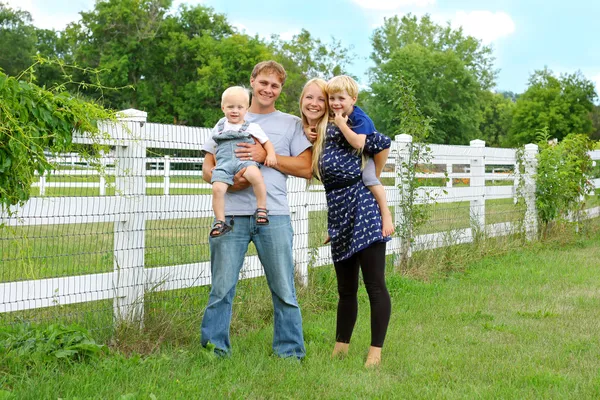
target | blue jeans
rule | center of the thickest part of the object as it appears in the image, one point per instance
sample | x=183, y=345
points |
x=273, y=243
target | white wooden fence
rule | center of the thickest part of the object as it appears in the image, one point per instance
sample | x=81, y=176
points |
x=130, y=208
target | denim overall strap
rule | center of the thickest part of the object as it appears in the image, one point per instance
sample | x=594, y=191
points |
x=221, y=126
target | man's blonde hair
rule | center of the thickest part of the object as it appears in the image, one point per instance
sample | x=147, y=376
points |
x=342, y=83
x=234, y=90
x=270, y=67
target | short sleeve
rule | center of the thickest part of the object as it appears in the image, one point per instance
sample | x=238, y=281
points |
x=210, y=146
x=362, y=124
x=299, y=141
x=377, y=142
x=369, y=176
x=256, y=131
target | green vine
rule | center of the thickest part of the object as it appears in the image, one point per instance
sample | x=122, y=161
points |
x=411, y=121
x=35, y=123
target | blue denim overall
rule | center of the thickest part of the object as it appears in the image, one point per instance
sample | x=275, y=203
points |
x=227, y=163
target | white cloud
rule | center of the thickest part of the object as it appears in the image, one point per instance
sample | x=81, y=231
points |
x=485, y=25
x=392, y=4
x=52, y=16
x=289, y=35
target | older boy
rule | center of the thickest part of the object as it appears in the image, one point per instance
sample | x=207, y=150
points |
x=273, y=242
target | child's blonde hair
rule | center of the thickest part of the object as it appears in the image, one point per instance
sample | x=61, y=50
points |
x=233, y=90
x=321, y=127
x=340, y=83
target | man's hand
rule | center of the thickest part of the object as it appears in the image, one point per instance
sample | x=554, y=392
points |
x=251, y=152
x=239, y=182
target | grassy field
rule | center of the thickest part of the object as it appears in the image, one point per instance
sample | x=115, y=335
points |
x=521, y=324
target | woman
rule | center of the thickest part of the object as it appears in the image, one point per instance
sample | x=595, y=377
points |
x=353, y=221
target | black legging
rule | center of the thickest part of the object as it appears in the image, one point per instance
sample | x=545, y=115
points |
x=372, y=263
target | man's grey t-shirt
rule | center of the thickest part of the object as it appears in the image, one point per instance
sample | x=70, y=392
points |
x=286, y=133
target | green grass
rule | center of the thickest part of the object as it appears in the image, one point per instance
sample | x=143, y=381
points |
x=523, y=324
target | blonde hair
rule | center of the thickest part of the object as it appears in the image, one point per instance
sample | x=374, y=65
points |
x=345, y=83
x=340, y=83
x=321, y=127
x=233, y=90
x=270, y=67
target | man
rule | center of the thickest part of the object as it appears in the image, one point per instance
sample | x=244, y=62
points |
x=273, y=242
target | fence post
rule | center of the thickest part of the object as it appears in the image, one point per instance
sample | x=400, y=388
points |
x=42, y=183
x=130, y=184
x=449, y=172
x=477, y=184
x=403, y=144
x=531, y=222
x=167, y=175
x=102, y=173
x=298, y=200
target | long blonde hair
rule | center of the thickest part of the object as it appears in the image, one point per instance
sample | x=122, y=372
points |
x=321, y=127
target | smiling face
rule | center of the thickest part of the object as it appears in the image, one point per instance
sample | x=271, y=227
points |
x=266, y=88
x=341, y=102
x=235, y=106
x=313, y=104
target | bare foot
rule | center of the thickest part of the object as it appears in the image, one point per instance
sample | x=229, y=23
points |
x=387, y=223
x=340, y=349
x=374, y=357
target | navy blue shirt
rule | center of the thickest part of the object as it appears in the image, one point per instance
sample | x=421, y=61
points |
x=360, y=122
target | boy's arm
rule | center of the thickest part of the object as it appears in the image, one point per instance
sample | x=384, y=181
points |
x=357, y=141
x=271, y=157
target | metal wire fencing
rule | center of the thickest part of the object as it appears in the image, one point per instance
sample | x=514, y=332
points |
x=125, y=236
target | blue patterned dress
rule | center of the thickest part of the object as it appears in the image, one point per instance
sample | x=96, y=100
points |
x=353, y=217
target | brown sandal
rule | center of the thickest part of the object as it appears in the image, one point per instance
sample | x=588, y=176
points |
x=262, y=216
x=219, y=228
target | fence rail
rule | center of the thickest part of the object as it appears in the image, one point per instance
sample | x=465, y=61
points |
x=466, y=173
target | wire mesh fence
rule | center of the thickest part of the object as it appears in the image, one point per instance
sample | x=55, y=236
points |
x=123, y=236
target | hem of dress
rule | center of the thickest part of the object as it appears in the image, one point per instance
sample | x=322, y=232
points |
x=383, y=239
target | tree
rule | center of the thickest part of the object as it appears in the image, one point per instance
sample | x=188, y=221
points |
x=305, y=57
x=397, y=33
x=447, y=70
x=595, y=116
x=496, y=117
x=562, y=105
x=17, y=40
x=445, y=89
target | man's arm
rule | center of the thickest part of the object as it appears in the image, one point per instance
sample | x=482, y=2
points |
x=300, y=165
x=239, y=182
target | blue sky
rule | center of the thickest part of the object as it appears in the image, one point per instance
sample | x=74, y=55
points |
x=525, y=34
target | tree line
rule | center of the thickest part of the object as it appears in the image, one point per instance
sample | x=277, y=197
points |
x=174, y=64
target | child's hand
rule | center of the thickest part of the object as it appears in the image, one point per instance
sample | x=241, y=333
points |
x=271, y=160
x=340, y=118
x=327, y=240
x=311, y=133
